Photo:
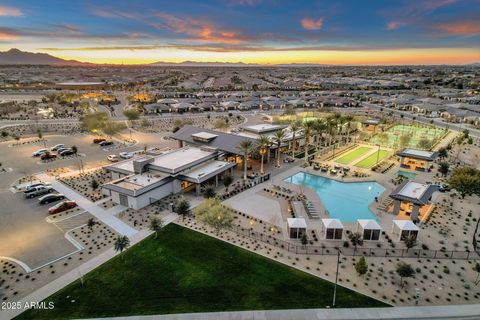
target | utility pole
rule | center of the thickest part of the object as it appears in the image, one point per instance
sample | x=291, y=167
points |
x=336, y=280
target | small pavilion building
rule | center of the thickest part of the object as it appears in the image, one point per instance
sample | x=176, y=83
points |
x=411, y=200
x=414, y=159
x=333, y=229
x=404, y=229
x=370, y=229
x=296, y=227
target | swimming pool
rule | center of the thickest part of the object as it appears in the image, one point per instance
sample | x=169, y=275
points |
x=347, y=201
x=406, y=174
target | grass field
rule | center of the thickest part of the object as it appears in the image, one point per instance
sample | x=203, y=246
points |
x=371, y=160
x=352, y=155
x=183, y=271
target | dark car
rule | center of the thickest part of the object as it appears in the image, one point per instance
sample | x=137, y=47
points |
x=105, y=143
x=52, y=197
x=98, y=140
x=67, y=152
x=48, y=156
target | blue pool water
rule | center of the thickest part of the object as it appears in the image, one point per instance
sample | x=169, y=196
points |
x=406, y=174
x=347, y=201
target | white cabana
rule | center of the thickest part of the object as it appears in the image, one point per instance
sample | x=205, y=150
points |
x=333, y=229
x=296, y=227
x=404, y=229
x=371, y=230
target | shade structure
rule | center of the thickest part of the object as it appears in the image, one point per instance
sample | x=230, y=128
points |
x=370, y=229
x=404, y=229
x=333, y=229
x=297, y=227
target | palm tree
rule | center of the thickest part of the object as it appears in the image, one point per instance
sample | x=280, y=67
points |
x=348, y=121
x=121, y=243
x=246, y=146
x=263, y=143
x=294, y=126
x=331, y=128
x=319, y=126
x=156, y=225
x=279, y=137
x=307, y=127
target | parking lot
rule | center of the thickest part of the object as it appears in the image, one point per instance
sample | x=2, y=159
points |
x=26, y=236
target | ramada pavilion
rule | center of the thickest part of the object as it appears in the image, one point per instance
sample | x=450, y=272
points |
x=143, y=180
x=416, y=159
x=411, y=200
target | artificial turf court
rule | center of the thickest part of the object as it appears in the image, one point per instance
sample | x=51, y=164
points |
x=183, y=271
x=371, y=160
x=413, y=132
x=353, y=155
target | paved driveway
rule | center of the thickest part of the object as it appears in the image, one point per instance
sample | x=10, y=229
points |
x=24, y=233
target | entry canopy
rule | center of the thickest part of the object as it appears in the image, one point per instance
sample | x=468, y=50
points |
x=368, y=224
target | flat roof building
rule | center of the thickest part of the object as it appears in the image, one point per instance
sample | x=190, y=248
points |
x=412, y=199
x=416, y=159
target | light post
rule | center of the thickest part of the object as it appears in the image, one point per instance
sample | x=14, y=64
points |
x=378, y=153
x=336, y=280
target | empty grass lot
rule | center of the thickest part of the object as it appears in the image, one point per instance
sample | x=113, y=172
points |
x=352, y=155
x=183, y=271
x=371, y=160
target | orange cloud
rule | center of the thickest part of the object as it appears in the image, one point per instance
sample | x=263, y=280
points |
x=311, y=24
x=10, y=12
x=5, y=36
x=461, y=28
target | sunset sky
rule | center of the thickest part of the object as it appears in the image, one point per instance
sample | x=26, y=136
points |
x=251, y=31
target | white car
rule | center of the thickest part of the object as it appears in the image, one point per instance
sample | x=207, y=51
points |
x=39, y=152
x=57, y=146
x=126, y=155
x=112, y=158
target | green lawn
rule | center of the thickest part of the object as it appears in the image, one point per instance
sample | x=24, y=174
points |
x=371, y=160
x=185, y=271
x=355, y=154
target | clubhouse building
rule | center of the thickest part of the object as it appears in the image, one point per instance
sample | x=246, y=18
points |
x=411, y=200
x=414, y=159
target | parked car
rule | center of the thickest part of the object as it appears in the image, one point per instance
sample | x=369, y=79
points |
x=39, y=152
x=61, y=149
x=126, y=155
x=57, y=146
x=288, y=160
x=48, y=156
x=39, y=191
x=67, y=152
x=112, y=158
x=51, y=197
x=105, y=143
x=33, y=186
x=98, y=140
x=62, y=206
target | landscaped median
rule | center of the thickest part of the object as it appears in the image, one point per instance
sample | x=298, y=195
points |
x=183, y=271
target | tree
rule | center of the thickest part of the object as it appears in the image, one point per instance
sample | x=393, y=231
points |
x=465, y=180
x=383, y=138
x=279, y=136
x=476, y=268
x=304, y=239
x=442, y=153
x=319, y=126
x=214, y=214
x=307, y=127
x=155, y=225
x=263, y=143
x=410, y=242
x=443, y=168
x=361, y=266
x=75, y=152
x=40, y=136
x=209, y=192
x=91, y=223
x=356, y=239
x=246, y=146
x=404, y=140
x=131, y=114
x=404, y=270
x=182, y=208
x=227, y=181
x=294, y=126
x=121, y=243
x=94, y=184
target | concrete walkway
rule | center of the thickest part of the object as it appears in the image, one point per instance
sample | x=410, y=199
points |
x=106, y=216
x=440, y=312
x=77, y=273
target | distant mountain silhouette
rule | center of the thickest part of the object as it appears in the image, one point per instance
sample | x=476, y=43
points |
x=15, y=56
x=202, y=64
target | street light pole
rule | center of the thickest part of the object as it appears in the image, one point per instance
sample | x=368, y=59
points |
x=336, y=280
x=378, y=154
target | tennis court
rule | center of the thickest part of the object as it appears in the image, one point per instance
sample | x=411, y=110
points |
x=353, y=155
x=412, y=135
x=371, y=160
